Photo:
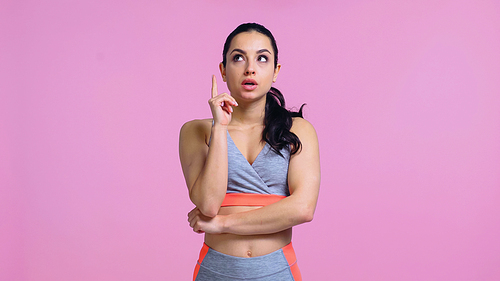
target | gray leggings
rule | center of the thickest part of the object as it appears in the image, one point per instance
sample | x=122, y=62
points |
x=280, y=265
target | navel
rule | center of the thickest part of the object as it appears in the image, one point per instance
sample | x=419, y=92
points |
x=249, y=253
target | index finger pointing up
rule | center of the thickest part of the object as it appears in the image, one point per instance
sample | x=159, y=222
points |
x=214, y=87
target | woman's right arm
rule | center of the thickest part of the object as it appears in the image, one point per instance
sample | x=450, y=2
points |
x=205, y=167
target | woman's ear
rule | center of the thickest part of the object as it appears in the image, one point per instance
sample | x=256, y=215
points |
x=222, y=71
x=276, y=71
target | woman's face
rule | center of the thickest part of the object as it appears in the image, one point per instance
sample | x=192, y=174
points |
x=250, y=70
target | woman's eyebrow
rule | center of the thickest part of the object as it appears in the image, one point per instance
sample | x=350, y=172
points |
x=238, y=50
x=243, y=52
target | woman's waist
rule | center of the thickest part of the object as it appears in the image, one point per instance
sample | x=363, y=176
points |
x=248, y=245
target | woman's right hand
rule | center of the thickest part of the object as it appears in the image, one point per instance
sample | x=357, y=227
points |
x=221, y=105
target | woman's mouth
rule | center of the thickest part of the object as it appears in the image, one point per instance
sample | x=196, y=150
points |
x=249, y=84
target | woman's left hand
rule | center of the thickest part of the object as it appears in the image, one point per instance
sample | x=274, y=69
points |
x=203, y=224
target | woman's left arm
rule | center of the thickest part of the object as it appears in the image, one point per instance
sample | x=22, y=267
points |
x=303, y=182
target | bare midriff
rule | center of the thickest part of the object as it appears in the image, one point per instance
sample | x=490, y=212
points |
x=247, y=245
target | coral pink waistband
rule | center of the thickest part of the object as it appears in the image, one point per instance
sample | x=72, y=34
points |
x=250, y=199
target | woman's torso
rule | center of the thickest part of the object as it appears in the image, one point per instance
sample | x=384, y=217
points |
x=246, y=149
x=247, y=245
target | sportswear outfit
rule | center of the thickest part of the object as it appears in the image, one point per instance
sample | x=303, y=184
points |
x=258, y=184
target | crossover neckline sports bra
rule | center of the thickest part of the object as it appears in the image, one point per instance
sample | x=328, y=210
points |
x=263, y=150
x=265, y=180
x=261, y=183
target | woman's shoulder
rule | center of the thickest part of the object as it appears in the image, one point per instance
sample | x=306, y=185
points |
x=301, y=126
x=197, y=124
x=196, y=129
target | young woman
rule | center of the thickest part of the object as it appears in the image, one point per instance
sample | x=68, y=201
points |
x=252, y=170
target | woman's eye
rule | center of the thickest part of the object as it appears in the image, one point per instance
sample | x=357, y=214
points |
x=262, y=58
x=238, y=58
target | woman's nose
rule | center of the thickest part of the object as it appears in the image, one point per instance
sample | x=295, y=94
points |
x=250, y=70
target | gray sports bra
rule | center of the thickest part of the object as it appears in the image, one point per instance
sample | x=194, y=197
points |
x=267, y=175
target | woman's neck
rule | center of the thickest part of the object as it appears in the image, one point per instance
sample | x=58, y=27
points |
x=250, y=114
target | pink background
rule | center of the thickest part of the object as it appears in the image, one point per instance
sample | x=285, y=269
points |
x=405, y=97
